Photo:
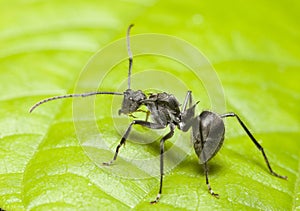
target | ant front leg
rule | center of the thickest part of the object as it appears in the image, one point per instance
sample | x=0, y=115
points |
x=125, y=136
x=255, y=142
x=123, y=140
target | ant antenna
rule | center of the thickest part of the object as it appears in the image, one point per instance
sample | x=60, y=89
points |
x=129, y=54
x=93, y=93
x=70, y=96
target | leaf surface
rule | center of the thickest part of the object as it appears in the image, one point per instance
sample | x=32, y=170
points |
x=44, y=46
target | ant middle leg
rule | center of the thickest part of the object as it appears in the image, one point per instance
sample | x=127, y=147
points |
x=199, y=144
x=207, y=181
x=162, y=150
x=208, y=135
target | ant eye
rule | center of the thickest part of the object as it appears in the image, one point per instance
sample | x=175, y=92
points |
x=130, y=98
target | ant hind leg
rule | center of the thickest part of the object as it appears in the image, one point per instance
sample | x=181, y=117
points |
x=231, y=114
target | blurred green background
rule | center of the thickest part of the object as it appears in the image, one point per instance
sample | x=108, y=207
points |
x=254, y=47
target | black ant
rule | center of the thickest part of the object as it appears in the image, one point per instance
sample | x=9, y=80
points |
x=207, y=128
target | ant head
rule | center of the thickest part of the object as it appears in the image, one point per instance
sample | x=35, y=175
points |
x=132, y=101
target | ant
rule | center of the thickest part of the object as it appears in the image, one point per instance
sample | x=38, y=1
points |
x=164, y=109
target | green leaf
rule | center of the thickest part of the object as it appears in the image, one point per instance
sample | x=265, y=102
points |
x=254, y=49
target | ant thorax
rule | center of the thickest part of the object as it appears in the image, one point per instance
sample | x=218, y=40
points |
x=163, y=108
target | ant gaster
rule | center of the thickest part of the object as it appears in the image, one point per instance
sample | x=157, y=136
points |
x=207, y=128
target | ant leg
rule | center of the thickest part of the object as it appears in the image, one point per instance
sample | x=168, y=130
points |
x=205, y=162
x=162, y=150
x=187, y=100
x=147, y=116
x=119, y=145
x=150, y=125
x=207, y=182
x=125, y=136
x=231, y=114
